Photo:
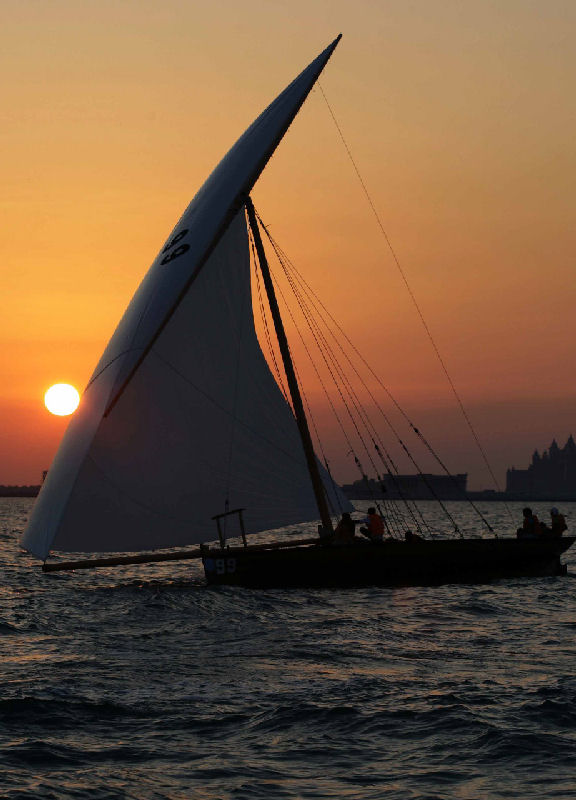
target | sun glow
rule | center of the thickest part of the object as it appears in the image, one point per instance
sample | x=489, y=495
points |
x=61, y=399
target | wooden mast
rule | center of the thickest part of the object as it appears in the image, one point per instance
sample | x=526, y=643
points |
x=297, y=405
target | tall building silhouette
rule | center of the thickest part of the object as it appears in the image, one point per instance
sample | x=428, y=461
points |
x=550, y=475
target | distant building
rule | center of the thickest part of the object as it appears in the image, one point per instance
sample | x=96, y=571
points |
x=410, y=487
x=19, y=491
x=550, y=475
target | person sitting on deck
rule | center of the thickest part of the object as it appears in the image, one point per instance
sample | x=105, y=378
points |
x=530, y=525
x=557, y=523
x=410, y=536
x=344, y=531
x=374, y=529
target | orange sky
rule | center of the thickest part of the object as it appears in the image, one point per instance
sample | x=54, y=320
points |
x=460, y=115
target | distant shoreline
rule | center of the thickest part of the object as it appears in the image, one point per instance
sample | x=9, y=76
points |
x=487, y=495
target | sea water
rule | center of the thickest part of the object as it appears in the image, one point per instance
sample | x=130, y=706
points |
x=143, y=683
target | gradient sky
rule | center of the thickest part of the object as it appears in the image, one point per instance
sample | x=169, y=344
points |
x=460, y=115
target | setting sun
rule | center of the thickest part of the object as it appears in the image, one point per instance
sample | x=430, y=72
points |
x=61, y=399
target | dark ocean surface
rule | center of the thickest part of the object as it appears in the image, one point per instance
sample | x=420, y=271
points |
x=143, y=683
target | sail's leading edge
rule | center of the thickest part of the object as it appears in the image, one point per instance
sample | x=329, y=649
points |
x=182, y=411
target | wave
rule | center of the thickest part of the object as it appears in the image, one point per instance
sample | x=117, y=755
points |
x=47, y=713
x=6, y=629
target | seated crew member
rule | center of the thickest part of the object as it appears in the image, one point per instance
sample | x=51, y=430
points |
x=557, y=522
x=344, y=531
x=530, y=525
x=410, y=536
x=374, y=529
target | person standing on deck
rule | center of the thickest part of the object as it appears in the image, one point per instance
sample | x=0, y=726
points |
x=374, y=529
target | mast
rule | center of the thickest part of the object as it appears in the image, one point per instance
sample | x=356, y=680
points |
x=297, y=405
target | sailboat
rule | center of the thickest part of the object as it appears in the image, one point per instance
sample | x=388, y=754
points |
x=184, y=435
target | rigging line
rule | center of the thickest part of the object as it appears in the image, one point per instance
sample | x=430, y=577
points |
x=411, y=513
x=328, y=355
x=326, y=351
x=318, y=303
x=455, y=482
x=394, y=513
x=321, y=381
x=315, y=428
x=431, y=490
x=304, y=395
x=281, y=257
x=411, y=293
x=362, y=413
x=414, y=512
x=392, y=510
x=375, y=500
x=307, y=289
x=278, y=374
x=324, y=348
x=391, y=502
x=336, y=365
x=374, y=431
x=323, y=385
x=312, y=294
x=420, y=435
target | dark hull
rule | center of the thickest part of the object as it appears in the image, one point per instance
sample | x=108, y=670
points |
x=392, y=563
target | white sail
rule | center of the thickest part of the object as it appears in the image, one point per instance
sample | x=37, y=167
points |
x=202, y=422
x=181, y=413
